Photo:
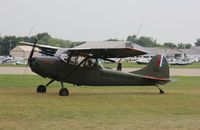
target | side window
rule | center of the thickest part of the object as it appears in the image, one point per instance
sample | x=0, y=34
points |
x=91, y=63
x=64, y=57
x=74, y=60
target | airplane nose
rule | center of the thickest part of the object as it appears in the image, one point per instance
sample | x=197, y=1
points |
x=32, y=61
x=35, y=64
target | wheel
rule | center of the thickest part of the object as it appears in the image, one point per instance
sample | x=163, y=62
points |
x=64, y=92
x=41, y=89
x=162, y=92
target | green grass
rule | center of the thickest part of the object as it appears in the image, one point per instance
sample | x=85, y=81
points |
x=135, y=65
x=125, y=65
x=11, y=65
x=98, y=107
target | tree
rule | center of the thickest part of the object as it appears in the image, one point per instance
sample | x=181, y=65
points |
x=147, y=42
x=112, y=39
x=132, y=39
x=59, y=42
x=197, y=43
x=143, y=41
x=43, y=38
x=7, y=43
x=1, y=46
x=73, y=44
x=188, y=46
x=63, y=43
x=181, y=46
x=184, y=46
x=170, y=45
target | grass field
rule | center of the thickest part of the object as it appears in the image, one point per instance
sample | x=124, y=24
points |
x=117, y=108
x=125, y=65
x=135, y=65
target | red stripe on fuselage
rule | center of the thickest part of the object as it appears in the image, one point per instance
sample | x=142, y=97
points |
x=158, y=60
x=154, y=78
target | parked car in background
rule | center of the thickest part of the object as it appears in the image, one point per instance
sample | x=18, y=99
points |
x=144, y=60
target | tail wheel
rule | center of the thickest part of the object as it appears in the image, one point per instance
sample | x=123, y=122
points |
x=41, y=89
x=64, y=92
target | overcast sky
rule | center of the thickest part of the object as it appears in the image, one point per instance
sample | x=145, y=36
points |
x=94, y=20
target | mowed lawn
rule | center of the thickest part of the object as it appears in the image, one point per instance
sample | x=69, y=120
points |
x=135, y=65
x=117, y=108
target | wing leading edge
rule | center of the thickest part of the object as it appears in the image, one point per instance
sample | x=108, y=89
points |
x=95, y=52
x=47, y=50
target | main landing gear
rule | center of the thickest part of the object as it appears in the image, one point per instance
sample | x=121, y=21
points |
x=41, y=89
x=63, y=91
x=161, y=91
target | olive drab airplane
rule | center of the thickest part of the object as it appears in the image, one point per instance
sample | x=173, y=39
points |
x=82, y=66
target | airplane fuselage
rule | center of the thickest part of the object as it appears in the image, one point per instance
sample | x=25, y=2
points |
x=81, y=66
x=55, y=68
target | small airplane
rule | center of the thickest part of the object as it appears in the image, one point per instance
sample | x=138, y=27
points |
x=82, y=66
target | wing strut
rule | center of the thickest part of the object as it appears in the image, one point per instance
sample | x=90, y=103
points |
x=77, y=67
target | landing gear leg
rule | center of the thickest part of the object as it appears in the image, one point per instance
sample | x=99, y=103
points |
x=63, y=91
x=161, y=91
x=42, y=88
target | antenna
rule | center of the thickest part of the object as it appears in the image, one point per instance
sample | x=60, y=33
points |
x=140, y=27
x=33, y=26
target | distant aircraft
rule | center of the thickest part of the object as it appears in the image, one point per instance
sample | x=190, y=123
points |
x=81, y=66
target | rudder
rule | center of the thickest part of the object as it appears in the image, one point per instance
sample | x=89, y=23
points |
x=157, y=67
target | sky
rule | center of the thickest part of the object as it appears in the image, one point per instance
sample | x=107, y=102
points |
x=175, y=21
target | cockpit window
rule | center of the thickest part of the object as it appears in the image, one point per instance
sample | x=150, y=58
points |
x=75, y=60
x=91, y=63
x=64, y=56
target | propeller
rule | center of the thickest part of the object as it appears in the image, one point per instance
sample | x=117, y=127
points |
x=31, y=55
x=32, y=51
x=34, y=45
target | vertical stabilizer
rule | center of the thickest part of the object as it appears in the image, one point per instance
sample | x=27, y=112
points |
x=157, y=67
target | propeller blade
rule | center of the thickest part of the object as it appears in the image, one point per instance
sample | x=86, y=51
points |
x=32, y=51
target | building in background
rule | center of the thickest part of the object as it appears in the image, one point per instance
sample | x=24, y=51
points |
x=23, y=52
x=169, y=53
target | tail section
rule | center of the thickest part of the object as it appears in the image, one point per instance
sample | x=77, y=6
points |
x=157, y=68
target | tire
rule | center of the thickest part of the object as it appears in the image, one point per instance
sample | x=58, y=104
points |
x=64, y=92
x=41, y=89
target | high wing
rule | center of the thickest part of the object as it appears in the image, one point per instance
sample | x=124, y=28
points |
x=45, y=49
x=107, y=52
x=94, y=52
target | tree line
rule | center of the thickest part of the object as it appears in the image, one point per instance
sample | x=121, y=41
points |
x=150, y=42
x=9, y=42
